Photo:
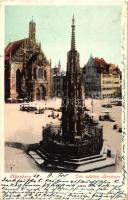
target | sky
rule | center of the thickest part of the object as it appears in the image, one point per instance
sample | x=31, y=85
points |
x=98, y=30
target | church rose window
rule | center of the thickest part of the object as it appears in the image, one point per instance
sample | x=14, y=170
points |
x=40, y=73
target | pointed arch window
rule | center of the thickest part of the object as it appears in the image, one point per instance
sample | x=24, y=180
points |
x=18, y=80
x=45, y=74
x=34, y=73
x=40, y=73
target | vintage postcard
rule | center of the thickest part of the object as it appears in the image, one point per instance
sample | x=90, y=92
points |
x=64, y=100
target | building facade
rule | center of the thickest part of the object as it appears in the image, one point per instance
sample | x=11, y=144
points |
x=58, y=78
x=101, y=80
x=27, y=70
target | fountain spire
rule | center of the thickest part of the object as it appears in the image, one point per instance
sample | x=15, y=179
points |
x=73, y=34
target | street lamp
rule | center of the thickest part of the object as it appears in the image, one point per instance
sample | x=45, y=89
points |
x=92, y=104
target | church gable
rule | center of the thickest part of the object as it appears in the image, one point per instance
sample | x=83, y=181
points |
x=12, y=48
x=24, y=60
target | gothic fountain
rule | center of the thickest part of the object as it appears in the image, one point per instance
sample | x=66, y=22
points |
x=77, y=143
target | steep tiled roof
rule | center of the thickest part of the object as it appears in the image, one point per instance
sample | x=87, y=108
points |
x=12, y=47
x=104, y=67
x=115, y=69
x=100, y=61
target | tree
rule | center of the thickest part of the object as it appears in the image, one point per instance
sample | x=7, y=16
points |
x=118, y=92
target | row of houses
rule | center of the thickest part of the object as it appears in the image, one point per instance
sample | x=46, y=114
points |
x=100, y=79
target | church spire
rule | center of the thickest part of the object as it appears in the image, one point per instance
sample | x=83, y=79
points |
x=32, y=30
x=73, y=34
x=59, y=64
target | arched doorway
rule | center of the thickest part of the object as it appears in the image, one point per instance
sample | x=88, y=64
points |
x=18, y=82
x=38, y=94
x=43, y=92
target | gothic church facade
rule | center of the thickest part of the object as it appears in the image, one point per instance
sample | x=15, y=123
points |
x=27, y=70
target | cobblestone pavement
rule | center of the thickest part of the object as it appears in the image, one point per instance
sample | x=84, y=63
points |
x=25, y=128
